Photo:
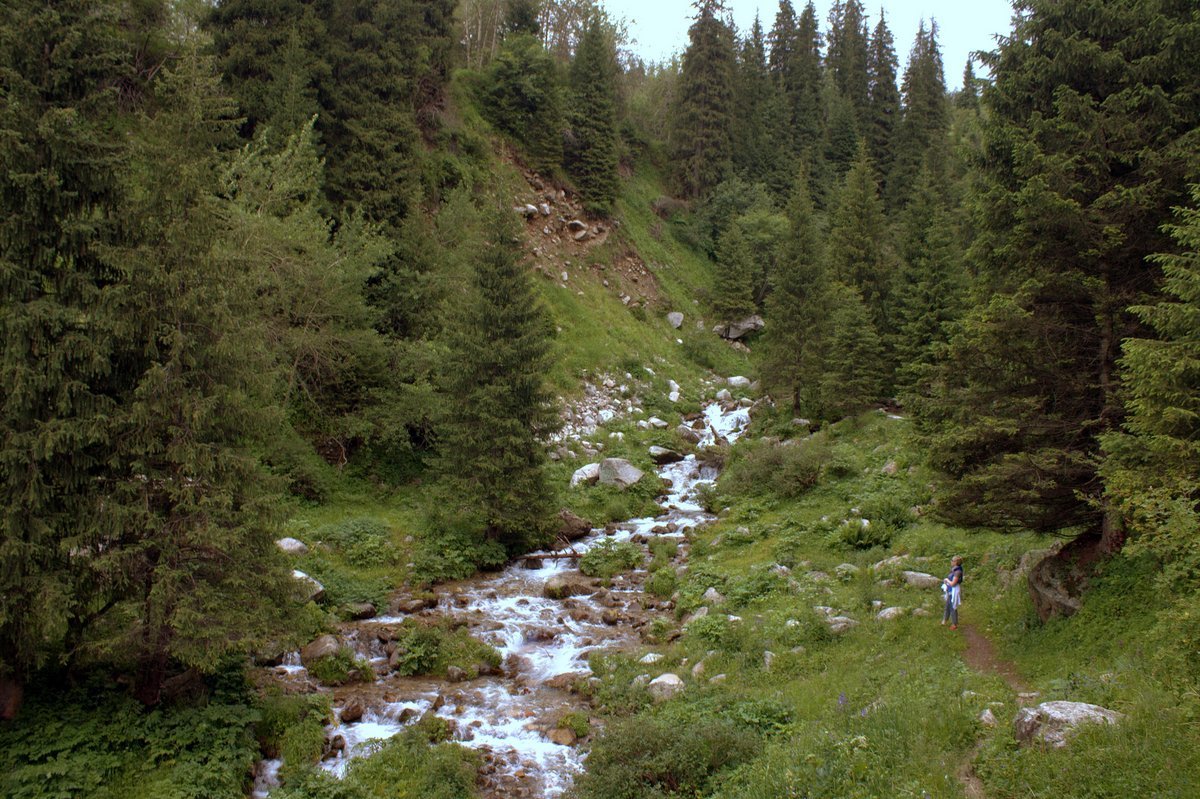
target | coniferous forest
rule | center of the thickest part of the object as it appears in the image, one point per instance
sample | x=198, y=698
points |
x=320, y=316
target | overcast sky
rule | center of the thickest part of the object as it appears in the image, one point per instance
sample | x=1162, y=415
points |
x=660, y=26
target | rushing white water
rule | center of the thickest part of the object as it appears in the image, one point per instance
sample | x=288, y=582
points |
x=538, y=639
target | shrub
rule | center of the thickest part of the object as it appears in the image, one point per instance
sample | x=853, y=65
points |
x=862, y=534
x=455, y=556
x=609, y=558
x=432, y=649
x=362, y=542
x=764, y=467
x=661, y=583
x=341, y=668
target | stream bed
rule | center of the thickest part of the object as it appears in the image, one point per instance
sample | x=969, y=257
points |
x=544, y=643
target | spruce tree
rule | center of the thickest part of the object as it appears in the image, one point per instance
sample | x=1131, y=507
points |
x=733, y=289
x=522, y=97
x=968, y=96
x=883, y=97
x=63, y=343
x=783, y=43
x=498, y=406
x=848, y=55
x=758, y=155
x=1151, y=468
x=797, y=312
x=853, y=372
x=1065, y=220
x=921, y=132
x=591, y=156
x=702, y=140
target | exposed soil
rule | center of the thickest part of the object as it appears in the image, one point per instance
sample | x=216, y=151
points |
x=981, y=656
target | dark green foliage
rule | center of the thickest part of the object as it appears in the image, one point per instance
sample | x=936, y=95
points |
x=777, y=470
x=521, y=17
x=921, y=131
x=522, y=98
x=1150, y=468
x=340, y=669
x=855, y=368
x=498, y=407
x=1066, y=217
x=883, y=97
x=101, y=745
x=733, y=288
x=848, y=56
x=663, y=755
x=428, y=649
x=360, y=542
x=591, y=152
x=968, y=96
x=797, y=308
x=702, y=141
x=759, y=155
x=609, y=558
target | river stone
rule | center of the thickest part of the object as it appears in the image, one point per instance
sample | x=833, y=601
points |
x=352, y=711
x=689, y=434
x=724, y=396
x=713, y=597
x=310, y=589
x=665, y=686
x=456, y=674
x=738, y=381
x=586, y=474
x=650, y=658
x=920, y=579
x=562, y=736
x=360, y=610
x=323, y=647
x=841, y=624
x=987, y=718
x=675, y=318
x=1054, y=722
x=292, y=546
x=663, y=456
x=572, y=527
x=619, y=472
x=561, y=586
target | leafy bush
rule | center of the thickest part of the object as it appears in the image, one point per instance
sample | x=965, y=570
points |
x=344, y=585
x=715, y=632
x=423, y=649
x=661, y=583
x=758, y=584
x=455, y=556
x=793, y=543
x=764, y=467
x=341, y=668
x=609, y=558
x=362, y=542
x=862, y=534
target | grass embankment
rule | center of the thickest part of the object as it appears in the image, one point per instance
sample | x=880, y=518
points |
x=886, y=708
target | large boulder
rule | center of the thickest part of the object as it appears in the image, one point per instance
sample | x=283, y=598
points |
x=921, y=579
x=566, y=584
x=665, y=686
x=689, y=434
x=1057, y=583
x=738, y=329
x=323, y=647
x=572, y=527
x=663, y=456
x=619, y=472
x=675, y=318
x=292, y=546
x=586, y=475
x=1053, y=723
x=737, y=381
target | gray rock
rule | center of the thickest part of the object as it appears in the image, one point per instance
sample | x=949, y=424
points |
x=675, y=318
x=724, y=396
x=1054, y=722
x=841, y=624
x=572, y=527
x=576, y=225
x=689, y=434
x=665, y=686
x=987, y=718
x=739, y=328
x=545, y=209
x=619, y=472
x=891, y=467
x=768, y=659
x=586, y=474
x=739, y=382
x=292, y=546
x=713, y=597
x=887, y=614
x=566, y=584
x=920, y=579
x=455, y=674
x=650, y=658
x=657, y=423
x=663, y=456
x=309, y=589
x=323, y=647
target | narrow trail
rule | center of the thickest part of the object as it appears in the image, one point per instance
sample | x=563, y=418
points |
x=981, y=656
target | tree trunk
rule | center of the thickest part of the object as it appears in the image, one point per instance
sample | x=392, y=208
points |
x=12, y=692
x=1112, y=533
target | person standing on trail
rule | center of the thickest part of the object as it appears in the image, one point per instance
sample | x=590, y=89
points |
x=952, y=586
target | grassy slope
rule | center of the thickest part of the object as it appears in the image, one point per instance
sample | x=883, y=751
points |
x=890, y=709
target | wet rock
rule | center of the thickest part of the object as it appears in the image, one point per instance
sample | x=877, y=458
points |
x=566, y=682
x=561, y=586
x=920, y=579
x=1053, y=723
x=292, y=546
x=562, y=736
x=572, y=527
x=663, y=456
x=456, y=674
x=333, y=747
x=586, y=475
x=360, y=610
x=611, y=617
x=665, y=686
x=689, y=434
x=323, y=647
x=619, y=472
x=533, y=564
x=540, y=634
x=352, y=711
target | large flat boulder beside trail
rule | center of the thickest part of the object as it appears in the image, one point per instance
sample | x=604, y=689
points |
x=1053, y=723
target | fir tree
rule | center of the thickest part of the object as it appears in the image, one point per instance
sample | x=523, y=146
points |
x=797, y=312
x=883, y=96
x=1152, y=467
x=783, y=42
x=591, y=157
x=733, y=293
x=499, y=408
x=522, y=98
x=852, y=376
x=968, y=96
x=758, y=155
x=1065, y=220
x=921, y=131
x=848, y=54
x=702, y=136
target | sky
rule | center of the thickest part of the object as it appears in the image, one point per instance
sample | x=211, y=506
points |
x=660, y=26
